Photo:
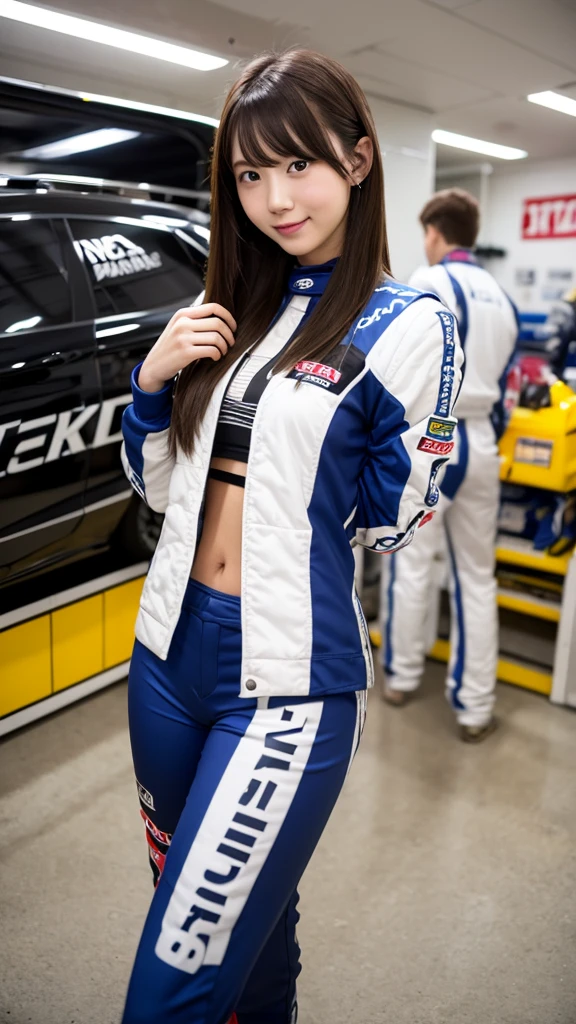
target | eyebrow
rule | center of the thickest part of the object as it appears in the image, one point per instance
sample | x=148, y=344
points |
x=240, y=163
x=247, y=163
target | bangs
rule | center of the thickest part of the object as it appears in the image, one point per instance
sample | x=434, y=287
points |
x=296, y=105
x=276, y=121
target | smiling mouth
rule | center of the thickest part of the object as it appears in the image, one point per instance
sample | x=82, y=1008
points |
x=287, y=229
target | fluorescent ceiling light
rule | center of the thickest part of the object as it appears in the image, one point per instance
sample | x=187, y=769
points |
x=80, y=143
x=478, y=145
x=98, y=33
x=554, y=100
x=148, y=108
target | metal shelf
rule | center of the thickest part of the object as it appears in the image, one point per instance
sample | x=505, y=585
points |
x=538, y=607
x=517, y=551
x=507, y=671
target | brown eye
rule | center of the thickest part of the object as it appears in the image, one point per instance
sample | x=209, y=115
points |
x=300, y=165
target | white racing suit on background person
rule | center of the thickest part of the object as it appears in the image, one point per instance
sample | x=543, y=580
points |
x=467, y=504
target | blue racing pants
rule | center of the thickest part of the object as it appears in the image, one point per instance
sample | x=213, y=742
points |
x=235, y=794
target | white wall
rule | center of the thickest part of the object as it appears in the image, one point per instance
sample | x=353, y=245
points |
x=408, y=153
x=508, y=187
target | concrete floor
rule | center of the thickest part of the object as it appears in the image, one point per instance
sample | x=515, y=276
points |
x=444, y=888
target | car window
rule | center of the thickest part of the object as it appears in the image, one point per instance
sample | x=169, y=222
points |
x=134, y=267
x=33, y=281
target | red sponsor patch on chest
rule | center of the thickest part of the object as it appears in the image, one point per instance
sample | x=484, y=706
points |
x=318, y=370
x=430, y=444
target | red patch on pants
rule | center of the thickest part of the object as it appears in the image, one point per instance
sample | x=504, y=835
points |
x=158, y=858
x=161, y=837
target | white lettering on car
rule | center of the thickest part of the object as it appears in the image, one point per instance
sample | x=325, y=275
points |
x=30, y=444
x=104, y=425
x=116, y=256
x=68, y=433
x=65, y=438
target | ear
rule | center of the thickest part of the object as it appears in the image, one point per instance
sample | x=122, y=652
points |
x=362, y=157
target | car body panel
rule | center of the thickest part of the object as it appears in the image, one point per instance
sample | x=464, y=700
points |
x=64, y=386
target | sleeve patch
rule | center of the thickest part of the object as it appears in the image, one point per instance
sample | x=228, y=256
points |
x=440, y=428
x=434, y=447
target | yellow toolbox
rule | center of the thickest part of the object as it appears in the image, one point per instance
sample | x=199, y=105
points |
x=539, y=446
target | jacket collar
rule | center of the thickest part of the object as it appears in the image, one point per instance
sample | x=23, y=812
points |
x=311, y=280
x=460, y=256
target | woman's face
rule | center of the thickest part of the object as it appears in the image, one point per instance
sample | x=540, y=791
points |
x=301, y=204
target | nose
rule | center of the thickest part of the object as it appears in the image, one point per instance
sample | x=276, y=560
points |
x=279, y=197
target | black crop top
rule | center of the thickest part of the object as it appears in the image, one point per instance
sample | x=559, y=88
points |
x=234, y=430
x=238, y=409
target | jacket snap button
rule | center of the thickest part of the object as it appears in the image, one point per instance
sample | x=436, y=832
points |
x=251, y=684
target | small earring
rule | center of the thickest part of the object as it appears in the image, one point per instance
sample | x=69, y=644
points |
x=358, y=185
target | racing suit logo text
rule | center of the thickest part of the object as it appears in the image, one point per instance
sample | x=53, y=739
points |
x=448, y=371
x=196, y=927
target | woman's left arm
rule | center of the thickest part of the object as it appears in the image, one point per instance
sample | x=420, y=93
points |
x=412, y=384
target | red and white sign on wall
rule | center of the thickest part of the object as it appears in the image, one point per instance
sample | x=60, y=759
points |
x=550, y=217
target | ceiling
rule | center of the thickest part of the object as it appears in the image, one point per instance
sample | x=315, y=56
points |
x=471, y=63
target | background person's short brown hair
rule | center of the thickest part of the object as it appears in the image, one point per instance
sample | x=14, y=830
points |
x=456, y=215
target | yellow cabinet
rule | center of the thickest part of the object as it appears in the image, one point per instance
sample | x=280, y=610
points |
x=120, y=611
x=25, y=669
x=78, y=641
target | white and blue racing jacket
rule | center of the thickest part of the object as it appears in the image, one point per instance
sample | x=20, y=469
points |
x=352, y=455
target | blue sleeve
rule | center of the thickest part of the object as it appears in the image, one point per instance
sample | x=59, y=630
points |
x=151, y=407
x=146, y=454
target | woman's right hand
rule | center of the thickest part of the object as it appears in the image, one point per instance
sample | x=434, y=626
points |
x=196, y=332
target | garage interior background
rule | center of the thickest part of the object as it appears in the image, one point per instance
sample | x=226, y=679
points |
x=465, y=67
x=498, y=54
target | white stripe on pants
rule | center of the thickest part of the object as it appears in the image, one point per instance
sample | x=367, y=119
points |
x=469, y=522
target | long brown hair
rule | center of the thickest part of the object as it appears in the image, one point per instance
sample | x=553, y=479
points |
x=285, y=104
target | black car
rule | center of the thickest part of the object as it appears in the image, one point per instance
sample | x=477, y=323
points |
x=88, y=280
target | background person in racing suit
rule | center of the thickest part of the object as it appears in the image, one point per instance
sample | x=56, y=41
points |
x=468, y=503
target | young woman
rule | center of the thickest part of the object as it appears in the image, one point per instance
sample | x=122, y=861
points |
x=286, y=418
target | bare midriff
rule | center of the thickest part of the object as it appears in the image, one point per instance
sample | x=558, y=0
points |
x=218, y=561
